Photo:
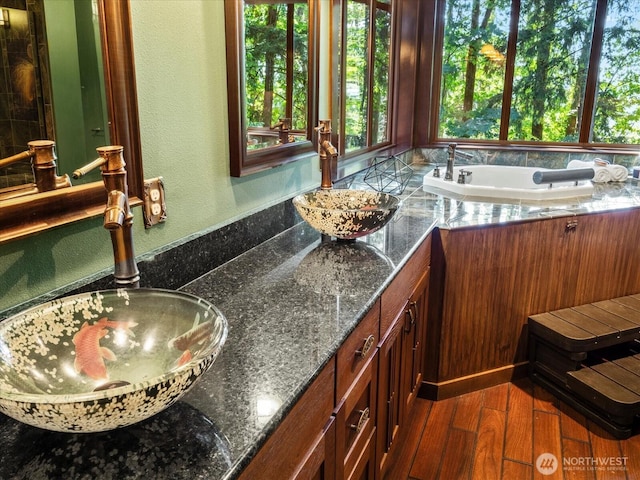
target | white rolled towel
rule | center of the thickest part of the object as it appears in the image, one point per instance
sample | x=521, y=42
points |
x=601, y=174
x=619, y=173
x=580, y=164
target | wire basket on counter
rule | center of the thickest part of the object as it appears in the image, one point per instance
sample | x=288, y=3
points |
x=388, y=175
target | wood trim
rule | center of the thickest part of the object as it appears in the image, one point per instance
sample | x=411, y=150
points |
x=242, y=162
x=120, y=84
x=35, y=213
x=591, y=87
x=471, y=383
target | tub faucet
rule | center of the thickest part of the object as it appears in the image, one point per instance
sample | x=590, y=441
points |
x=451, y=150
x=327, y=152
x=118, y=217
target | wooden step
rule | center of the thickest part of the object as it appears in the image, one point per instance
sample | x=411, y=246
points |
x=591, y=326
x=588, y=356
x=614, y=386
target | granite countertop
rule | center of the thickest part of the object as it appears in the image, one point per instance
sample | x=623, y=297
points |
x=290, y=303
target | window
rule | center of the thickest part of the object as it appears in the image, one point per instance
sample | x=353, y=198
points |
x=553, y=71
x=276, y=68
x=363, y=64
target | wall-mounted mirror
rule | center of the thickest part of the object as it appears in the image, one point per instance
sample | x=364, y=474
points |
x=272, y=76
x=26, y=215
x=53, y=85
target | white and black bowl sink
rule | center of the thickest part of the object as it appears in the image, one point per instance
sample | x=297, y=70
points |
x=103, y=360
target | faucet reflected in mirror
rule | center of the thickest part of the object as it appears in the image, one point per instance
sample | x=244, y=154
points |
x=42, y=154
x=118, y=217
x=284, y=127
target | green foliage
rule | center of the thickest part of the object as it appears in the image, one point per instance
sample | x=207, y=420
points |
x=266, y=64
x=550, y=70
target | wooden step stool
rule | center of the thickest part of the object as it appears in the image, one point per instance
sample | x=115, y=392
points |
x=589, y=356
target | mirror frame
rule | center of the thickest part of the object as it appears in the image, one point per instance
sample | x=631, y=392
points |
x=242, y=161
x=24, y=216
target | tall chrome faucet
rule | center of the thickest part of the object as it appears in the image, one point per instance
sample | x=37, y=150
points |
x=327, y=152
x=451, y=159
x=118, y=217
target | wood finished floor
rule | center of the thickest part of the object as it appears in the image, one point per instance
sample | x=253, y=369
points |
x=498, y=433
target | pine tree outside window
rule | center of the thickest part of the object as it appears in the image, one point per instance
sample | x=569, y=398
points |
x=543, y=71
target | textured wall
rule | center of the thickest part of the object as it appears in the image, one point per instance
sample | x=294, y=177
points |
x=181, y=78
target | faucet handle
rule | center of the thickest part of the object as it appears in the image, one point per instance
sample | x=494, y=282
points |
x=82, y=171
x=111, y=156
x=324, y=127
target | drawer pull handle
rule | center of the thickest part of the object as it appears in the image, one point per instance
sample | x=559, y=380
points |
x=366, y=346
x=412, y=312
x=364, y=416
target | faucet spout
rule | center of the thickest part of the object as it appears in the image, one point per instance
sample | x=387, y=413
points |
x=451, y=150
x=118, y=218
x=115, y=213
x=283, y=126
x=327, y=152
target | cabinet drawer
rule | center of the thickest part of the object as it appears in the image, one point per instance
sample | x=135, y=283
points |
x=396, y=295
x=288, y=449
x=357, y=350
x=365, y=468
x=355, y=420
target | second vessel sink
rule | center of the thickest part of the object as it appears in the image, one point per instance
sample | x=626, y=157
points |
x=346, y=213
x=102, y=360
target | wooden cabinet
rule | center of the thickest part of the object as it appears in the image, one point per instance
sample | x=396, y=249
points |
x=389, y=401
x=319, y=463
x=346, y=425
x=356, y=390
x=413, y=341
x=403, y=323
x=303, y=445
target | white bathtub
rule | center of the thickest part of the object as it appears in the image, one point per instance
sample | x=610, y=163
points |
x=506, y=182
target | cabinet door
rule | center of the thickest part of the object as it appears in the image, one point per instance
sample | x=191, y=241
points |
x=389, y=400
x=355, y=424
x=320, y=462
x=365, y=468
x=303, y=445
x=414, y=337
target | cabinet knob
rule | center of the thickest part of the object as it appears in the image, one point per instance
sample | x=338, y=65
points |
x=362, y=420
x=366, y=346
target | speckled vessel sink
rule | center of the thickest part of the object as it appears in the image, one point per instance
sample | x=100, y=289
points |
x=346, y=213
x=102, y=360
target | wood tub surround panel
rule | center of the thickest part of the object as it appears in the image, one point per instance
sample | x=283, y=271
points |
x=484, y=276
x=487, y=280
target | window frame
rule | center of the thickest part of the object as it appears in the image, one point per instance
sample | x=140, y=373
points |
x=338, y=137
x=427, y=124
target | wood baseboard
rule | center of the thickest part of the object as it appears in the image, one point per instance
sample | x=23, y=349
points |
x=470, y=383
